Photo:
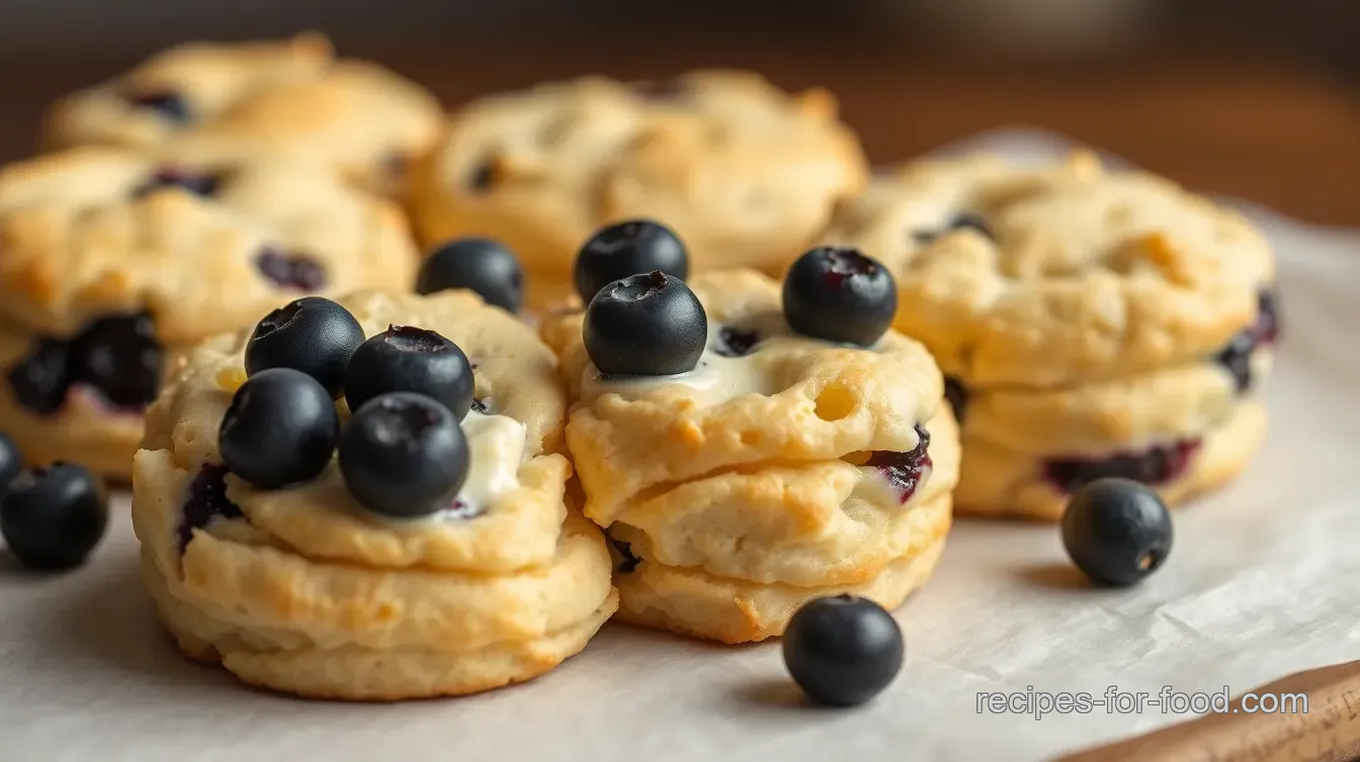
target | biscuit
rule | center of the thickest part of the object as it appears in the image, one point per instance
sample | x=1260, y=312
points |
x=113, y=263
x=783, y=468
x=258, y=101
x=1089, y=322
x=744, y=173
x=301, y=590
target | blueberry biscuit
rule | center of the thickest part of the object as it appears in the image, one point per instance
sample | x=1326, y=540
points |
x=210, y=102
x=745, y=173
x=370, y=576
x=1091, y=323
x=113, y=262
x=742, y=468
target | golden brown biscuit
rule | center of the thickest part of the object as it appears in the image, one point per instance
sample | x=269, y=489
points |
x=302, y=590
x=1089, y=322
x=781, y=469
x=744, y=173
x=114, y=262
x=258, y=101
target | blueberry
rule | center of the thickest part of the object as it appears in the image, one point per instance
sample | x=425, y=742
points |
x=1157, y=464
x=311, y=334
x=171, y=105
x=902, y=470
x=839, y=295
x=627, y=562
x=956, y=394
x=297, y=272
x=195, y=183
x=11, y=461
x=1117, y=531
x=843, y=650
x=482, y=177
x=628, y=248
x=959, y=222
x=404, y=455
x=42, y=377
x=52, y=518
x=121, y=357
x=1267, y=325
x=406, y=359
x=207, y=500
x=280, y=429
x=479, y=264
x=645, y=325
x=735, y=342
x=1236, y=356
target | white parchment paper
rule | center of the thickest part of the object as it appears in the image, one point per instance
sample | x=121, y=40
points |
x=1264, y=579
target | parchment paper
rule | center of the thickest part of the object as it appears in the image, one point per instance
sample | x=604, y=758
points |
x=1264, y=579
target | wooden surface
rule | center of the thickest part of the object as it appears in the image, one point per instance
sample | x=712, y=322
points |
x=1272, y=131
x=1328, y=732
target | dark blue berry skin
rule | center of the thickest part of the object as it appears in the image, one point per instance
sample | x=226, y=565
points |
x=956, y=394
x=959, y=222
x=117, y=355
x=312, y=335
x=1117, y=531
x=280, y=429
x=843, y=650
x=628, y=248
x=207, y=501
x=297, y=272
x=11, y=461
x=839, y=295
x=41, y=378
x=477, y=264
x=170, y=105
x=204, y=185
x=404, y=455
x=52, y=518
x=407, y=359
x=121, y=357
x=645, y=325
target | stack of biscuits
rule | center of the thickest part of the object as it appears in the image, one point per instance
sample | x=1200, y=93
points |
x=300, y=590
x=784, y=469
x=1092, y=323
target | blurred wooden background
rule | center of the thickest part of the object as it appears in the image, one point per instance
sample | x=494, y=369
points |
x=1253, y=98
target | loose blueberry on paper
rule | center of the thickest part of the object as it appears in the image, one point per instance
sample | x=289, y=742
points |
x=843, y=650
x=645, y=325
x=404, y=455
x=313, y=335
x=280, y=429
x=52, y=518
x=407, y=359
x=478, y=264
x=1117, y=531
x=628, y=248
x=839, y=295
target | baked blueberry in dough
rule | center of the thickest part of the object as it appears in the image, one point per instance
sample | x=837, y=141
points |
x=114, y=263
x=778, y=468
x=436, y=554
x=1092, y=323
